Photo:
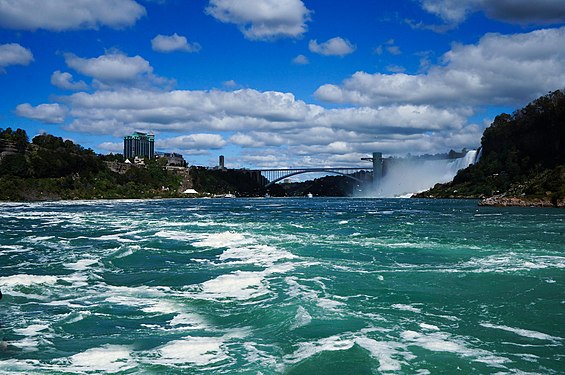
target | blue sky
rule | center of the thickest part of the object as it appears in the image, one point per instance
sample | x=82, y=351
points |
x=276, y=83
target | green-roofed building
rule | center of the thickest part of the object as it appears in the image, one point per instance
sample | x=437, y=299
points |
x=139, y=144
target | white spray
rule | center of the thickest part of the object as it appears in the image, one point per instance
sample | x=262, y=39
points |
x=405, y=177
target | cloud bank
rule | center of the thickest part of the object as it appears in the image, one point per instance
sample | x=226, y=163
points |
x=14, y=54
x=60, y=15
x=172, y=43
x=263, y=19
x=499, y=69
x=333, y=47
x=46, y=113
x=64, y=80
x=512, y=11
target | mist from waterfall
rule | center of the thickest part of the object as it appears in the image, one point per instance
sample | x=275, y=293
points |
x=406, y=177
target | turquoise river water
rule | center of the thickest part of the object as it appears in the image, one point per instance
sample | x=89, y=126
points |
x=281, y=286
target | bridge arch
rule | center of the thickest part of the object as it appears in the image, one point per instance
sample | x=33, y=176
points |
x=321, y=170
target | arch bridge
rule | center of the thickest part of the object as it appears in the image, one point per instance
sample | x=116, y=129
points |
x=272, y=176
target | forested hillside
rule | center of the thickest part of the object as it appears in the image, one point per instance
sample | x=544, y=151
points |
x=523, y=158
x=52, y=168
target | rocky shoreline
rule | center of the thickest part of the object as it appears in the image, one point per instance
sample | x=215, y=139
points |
x=504, y=201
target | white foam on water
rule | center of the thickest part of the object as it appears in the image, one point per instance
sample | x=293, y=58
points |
x=8, y=249
x=66, y=303
x=176, y=235
x=240, y=285
x=161, y=307
x=26, y=366
x=108, y=359
x=81, y=264
x=319, y=298
x=301, y=319
x=330, y=304
x=28, y=344
x=343, y=222
x=146, y=304
x=281, y=268
x=223, y=239
x=443, y=342
x=188, y=321
x=255, y=355
x=129, y=250
x=309, y=349
x=116, y=237
x=511, y=262
x=147, y=299
x=263, y=255
x=32, y=330
x=35, y=334
x=36, y=239
x=384, y=352
x=429, y=327
x=434, y=342
x=77, y=279
x=27, y=280
x=403, y=307
x=523, y=332
x=200, y=351
x=216, y=224
x=76, y=316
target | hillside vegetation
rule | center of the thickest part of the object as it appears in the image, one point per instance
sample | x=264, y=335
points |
x=52, y=168
x=522, y=161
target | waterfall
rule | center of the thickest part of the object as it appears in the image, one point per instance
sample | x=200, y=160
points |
x=405, y=177
x=461, y=163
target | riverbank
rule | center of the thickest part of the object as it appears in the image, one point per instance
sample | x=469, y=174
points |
x=501, y=201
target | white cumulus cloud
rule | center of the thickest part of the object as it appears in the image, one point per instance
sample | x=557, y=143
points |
x=264, y=123
x=59, y=15
x=499, y=69
x=116, y=68
x=172, y=43
x=64, y=80
x=46, y=113
x=192, y=142
x=14, y=54
x=300, y=60
x=263, y=19
x=333, y=47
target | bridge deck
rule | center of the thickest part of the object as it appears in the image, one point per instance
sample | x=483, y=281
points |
x=275, y=175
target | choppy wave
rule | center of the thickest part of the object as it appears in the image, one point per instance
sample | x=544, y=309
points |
x=280, y=286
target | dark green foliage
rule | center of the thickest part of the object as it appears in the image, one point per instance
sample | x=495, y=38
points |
x=217, y=181
x=54, y=157
x=53, y=168
x=328, y=186
x=14, y=165
x=533, y=136
x=113, y=157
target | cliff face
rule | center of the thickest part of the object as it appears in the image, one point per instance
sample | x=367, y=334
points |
x=7, y=148
x=523, y=159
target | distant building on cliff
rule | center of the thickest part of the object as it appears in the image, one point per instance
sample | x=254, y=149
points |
x=139, y=144
x=173, y=159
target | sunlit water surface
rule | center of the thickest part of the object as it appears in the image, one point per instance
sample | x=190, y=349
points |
x=270, y=286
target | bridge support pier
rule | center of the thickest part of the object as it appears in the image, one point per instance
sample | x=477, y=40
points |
x=377, y=168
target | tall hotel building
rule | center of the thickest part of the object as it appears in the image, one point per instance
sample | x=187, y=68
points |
x=139, y=144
